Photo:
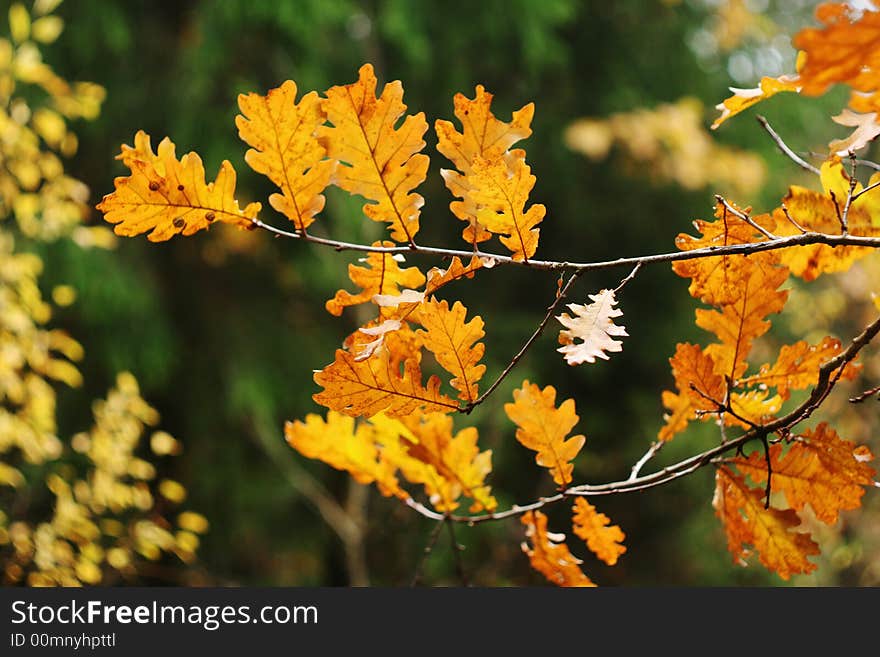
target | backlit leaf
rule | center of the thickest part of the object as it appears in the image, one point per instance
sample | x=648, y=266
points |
x=281, y=133
x=604, y=539
x=549, y=555
x=544, y=428
x=168, y=197
x=378, y=161
x=770, y=531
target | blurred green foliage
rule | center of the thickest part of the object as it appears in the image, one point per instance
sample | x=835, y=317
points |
x=223, y=331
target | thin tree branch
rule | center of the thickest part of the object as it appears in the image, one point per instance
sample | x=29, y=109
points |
x=457, y=549
x=426, y=552
x=528, y=343
x=655, y=447
x=742, y=215
x=829, y=375
x=858, y=399
x=803, y=239
x=794, y=157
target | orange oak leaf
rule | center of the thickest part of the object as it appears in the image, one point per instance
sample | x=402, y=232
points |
x=374, y=385
x=819, y=468
x=843, y=50
x=500, y=189
x=743, y=99
x=549, y=555
x=797, y=367
x=167, y=196
x=770, y=531
x=594, y=325
x=338, y=443
x=437, y=277
x=378, y=159
x=604, y=539
x=752, y=407
x=484, y=136
x=743, y=318
x=428, y=454
x=381, y=275
x=821, y=213
x=281, y=133
x=715, y=280
x=455, y=344
x=544, y=428
x=698, y=384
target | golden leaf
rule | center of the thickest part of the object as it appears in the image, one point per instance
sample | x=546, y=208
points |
x=437, y=277
x=170, y=197
x=797, y=367
x=500, y=190
x=484, y=136
x=820, y=469
x=697, y=382
x=381, y=275
x=549, y=555
x=378, y=161
x=594, y=325
x=427, y=453
x=281, y=133
x=604, y=539
x=371, y=386
x=454, y=343
x=746, y=522
x=743, y=99
x=544, y=428
x=338, y=443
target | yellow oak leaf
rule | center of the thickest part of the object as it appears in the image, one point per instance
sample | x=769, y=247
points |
x=281, y=133
x=743, y=99
x=374, y=385
x=549, y=555
x=770, y=531
x=381, y=275
x=339, y=443
x=743, y=318
x=819, y=468
x=821, y=213
x=699, y=388
x=797, y=367
x=500, y=189
x=437, y=277
x=593, y=324
x=484, y=136
x=604, y=539
x=378, y=159
x=455, y=344
x=544, y=428
x=447, y=466
x=715, y=280
x=168, y=196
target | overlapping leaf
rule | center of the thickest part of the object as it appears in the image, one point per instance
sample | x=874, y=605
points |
x=281, y=133
x=743, y=99
x=549, y=555
x=482, y=136
x=339, y=443
x=593, y=324
x=699, y=388
x=379, y=160
x=820, y=469
x=166, y=196
x=770, y=531
x=544, y=428
x=367, y=387
x=499, y=188
x=455, y=344
x=381, y=274
x=604, y=539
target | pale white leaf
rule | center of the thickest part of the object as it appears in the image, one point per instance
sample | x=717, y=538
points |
x=592, y=324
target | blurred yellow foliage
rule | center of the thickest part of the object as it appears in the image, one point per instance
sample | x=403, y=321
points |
x=97, y=517
x=672, y=142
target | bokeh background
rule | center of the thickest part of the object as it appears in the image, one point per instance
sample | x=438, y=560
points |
x=222, y=330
